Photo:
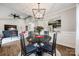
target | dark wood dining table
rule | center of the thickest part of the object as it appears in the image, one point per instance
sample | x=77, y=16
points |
x=39, y=41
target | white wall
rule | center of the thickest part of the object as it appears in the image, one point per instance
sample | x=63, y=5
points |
x=68, y=18
x=68, y=28
x=20, y=24
x=67, y=36
x=77, y=30
x=67, y=39
x=6, y=19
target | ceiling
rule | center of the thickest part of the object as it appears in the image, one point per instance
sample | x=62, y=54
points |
x=26, y=8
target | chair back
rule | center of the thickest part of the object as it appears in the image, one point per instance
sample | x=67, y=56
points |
x=22, y=41
x=30, y=33
x=47, y=38
x=10, y=33
x=46, y=32
x=54, y=41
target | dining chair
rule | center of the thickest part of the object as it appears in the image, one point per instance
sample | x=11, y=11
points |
x=54, y=43
x=26, y=50
x=46, y=32
x=30, y=33
x=1, y=40
x=51, y=48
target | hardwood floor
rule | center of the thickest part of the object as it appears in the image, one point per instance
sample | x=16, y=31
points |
x=13, y=48
x=66, y=51
x=10, y=49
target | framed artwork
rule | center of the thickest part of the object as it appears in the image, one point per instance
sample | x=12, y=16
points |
x=55, y=25
x=7, y=27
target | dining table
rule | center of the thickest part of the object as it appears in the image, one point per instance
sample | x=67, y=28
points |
x=40, y=41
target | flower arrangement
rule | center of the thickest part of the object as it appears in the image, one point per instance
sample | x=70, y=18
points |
x=39, y=28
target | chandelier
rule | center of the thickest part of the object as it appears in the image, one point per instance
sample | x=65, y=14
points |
x=38, y=13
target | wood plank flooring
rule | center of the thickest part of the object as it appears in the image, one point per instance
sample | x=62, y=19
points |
x=13, y=48
x=66, y=51
x=10, y=49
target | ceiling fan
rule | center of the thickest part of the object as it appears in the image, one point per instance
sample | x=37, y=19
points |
x=15, y=16
x=19, y=16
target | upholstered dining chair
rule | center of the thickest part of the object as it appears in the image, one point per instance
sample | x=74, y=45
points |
x=51, y=48
x=30, y=33
x=54, y=43
x=26, y=50
x=46, y=32
x=1, y=37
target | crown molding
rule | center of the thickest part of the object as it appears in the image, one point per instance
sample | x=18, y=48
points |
x=62, y=10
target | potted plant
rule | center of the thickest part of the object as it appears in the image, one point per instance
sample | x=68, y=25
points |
x=39, y=28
